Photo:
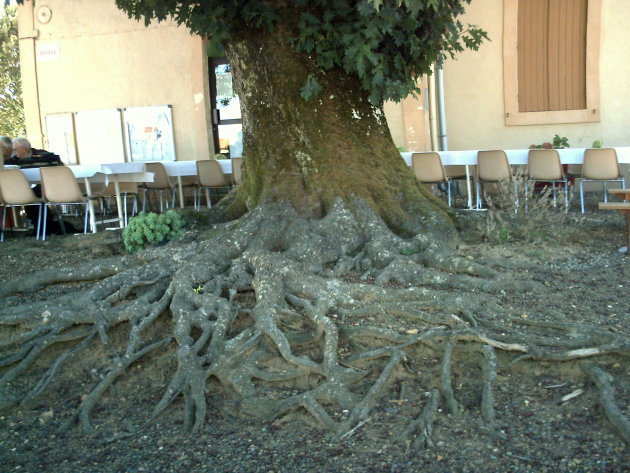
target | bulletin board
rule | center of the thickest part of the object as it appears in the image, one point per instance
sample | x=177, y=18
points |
x=60, y=136
x=100, y=136
x=150, y=133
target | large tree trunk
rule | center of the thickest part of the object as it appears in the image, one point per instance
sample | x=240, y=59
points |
x=312, y=152
x=339, y=272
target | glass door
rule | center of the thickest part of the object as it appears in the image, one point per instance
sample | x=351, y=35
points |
x=226, y=110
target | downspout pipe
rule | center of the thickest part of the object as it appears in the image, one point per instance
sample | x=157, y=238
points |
x=441, y=109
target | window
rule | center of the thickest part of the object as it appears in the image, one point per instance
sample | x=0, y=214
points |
x=551, y=55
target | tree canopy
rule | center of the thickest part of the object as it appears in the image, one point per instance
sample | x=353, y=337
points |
x=11, y=108
x=387, y=44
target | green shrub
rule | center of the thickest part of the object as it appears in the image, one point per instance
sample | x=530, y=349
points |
x=151, y=228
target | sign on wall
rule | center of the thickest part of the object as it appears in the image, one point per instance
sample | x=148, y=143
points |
x=100, y=136
x=47, y=52
x=150, y=133
x=60, y=136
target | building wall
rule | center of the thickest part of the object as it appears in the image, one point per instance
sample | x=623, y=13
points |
x=475, y=96
x=105, y=61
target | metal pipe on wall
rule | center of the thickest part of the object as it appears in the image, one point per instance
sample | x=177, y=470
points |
x=441, y=109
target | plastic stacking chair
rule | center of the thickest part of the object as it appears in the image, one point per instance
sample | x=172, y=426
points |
x=161, y=183
x=492, y=167
x=543, y=165
x=60, y=187
x=210, y=177
x=428, y=169
x=237, y=164
x=127, y=190
x=190, y=182
x=15, y=191
x=600, y=165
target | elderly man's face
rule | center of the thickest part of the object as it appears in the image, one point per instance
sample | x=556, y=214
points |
x=21, y=151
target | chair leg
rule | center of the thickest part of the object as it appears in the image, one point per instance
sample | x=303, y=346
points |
x=582, y=194
x=478, y=191
x=208, y=201
x=527, y=195
x=566, y=195
x=45, y=217
x=448, y=192
x=87, y=214
x=605, y=191
x=39, y=222
x=4, y=216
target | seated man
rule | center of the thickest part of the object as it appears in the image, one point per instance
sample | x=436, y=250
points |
x=6, y=148
x=27, y=157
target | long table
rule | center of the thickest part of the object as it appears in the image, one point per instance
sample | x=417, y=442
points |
x=515, y=157
x=105, y=173
x=180, y=169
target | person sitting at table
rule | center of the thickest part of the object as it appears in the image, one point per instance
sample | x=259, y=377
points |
x=6, y=148
x=26, y=156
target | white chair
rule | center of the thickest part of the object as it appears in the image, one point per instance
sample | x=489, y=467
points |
x=15, y=191
x=600, y=165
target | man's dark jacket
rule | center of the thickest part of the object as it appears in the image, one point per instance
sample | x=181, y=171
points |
x=39, y=158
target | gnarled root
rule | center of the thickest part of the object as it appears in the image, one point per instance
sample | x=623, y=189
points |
x=286, y=314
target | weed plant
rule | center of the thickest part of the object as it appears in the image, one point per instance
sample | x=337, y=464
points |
x=517, y=213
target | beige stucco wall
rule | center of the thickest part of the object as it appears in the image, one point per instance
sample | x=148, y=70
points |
x=108, y=61
x=475, y=97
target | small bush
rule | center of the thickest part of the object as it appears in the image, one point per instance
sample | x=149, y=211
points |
x=151, y=228
x=516, y=213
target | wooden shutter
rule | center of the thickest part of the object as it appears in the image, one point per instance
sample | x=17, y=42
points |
x=551, y=55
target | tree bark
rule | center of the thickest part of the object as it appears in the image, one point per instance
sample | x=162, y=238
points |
x=313, y=152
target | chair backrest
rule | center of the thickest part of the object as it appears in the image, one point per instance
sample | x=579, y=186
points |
x=210, y=174
x=237, y=164
x=427, y=167
x=160, y=177
x=544, y=164
x=493, y=166
x=15, y=188
x=59, y=185
x=600, y=163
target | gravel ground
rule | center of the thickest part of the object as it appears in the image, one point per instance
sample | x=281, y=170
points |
x=588, y=282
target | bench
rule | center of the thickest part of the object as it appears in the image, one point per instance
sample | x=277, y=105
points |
x=624, y=207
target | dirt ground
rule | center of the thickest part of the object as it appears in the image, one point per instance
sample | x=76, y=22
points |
x=589, y=281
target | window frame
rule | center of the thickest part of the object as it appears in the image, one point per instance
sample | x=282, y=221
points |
x=591, y=113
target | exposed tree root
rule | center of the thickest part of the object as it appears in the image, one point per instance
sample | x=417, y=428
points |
x=603, y=381
x=331, y=308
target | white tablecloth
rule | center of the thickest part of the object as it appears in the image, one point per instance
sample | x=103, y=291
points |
x=517, y=156
x=124, y=172
x=189, y=168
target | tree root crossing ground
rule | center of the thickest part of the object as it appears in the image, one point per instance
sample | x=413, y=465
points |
x=276, y=316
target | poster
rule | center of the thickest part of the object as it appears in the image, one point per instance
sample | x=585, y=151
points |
x=100, y=137
x=60, y=137
x=150, y=133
